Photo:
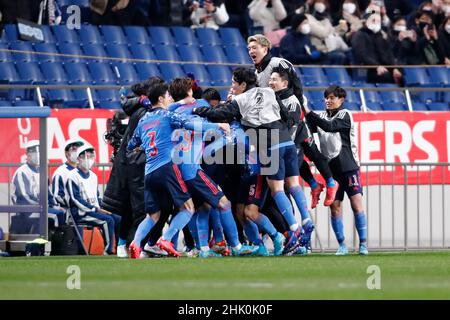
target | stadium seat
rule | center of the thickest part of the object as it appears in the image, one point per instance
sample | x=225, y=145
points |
x=391, y=96
x=113, y=35
x=316, y=96
x=29, y=72
x=5, y=103
x=438, y=106
x=136, y=35
x=171, y=71
x=213, y=54
x=48, y=35
x=238, y=55
x=314, y=77
x=190, y=53
x=338, y=76
x=199, y=72
x=125, y=73
x=223, y=94
x=161, y=35
x=231, y=37
x=424, y=96
x=11, y=34
x=419, y=106
x=26, y=103
x=70, y=49
x=353, y=96
x=53, y=72
x=219, y=75
x=90, y=34
x=59, y=95
x=317, y=105
x=77, y=73
x=47, y=48
x=106, y=104
x=101, y=73
x=373, y=106
x=142, y=51
x=95, y=50
x=4, y=55
x=166, y=53
x=65, y=35
x=107, y=95
x=416, y=77
x=370, y=95
x=146, y=70
x=118, y=51
x=440, y=76
x=353, y=106
x=23, y=56
x=208, y=37
x=184, y=35
x=394, y=106
x=8, y=73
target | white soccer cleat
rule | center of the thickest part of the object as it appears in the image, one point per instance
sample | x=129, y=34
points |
x=122, y=251
x=155, y=250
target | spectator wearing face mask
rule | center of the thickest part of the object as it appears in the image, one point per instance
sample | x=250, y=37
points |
x=208, y=14
x=427, y=39
x=349, y=20
x=371, y=47
x=404, y=42
x=378, y=6
x=444, y=40
x=395, y=8
x=267, y=14
x=324, y=36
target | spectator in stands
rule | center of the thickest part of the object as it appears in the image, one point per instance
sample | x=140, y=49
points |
x=237, y=10
x=324, y=36
x=159, y=13
x=371, y=47
x=266, y=14
x=296, y=45
x=446, y=8
x=378, y=6
x=24, y=9
x=444, y=40
x=404, y=42
x=427, y=39
x=291, y=7
x=395, y=8
x=349, y=20
x=212, y=96
x=110, y=12
x=208, y=14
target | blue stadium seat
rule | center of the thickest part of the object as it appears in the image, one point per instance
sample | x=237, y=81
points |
x=90, y=34
x=25, y=103
x=394, y=106
x=4, y=55
x=81, y=3
x=232, y=37
x=59, y=95
x=101, y=73
x=107, y=95
x=137, y=35
x=166, y=53
x=77, y=73
x=440, y=76
x=374, y=106
x=4, y=103
x=81, y=95
x=416, y=77
x=208, y=37
x=113, y=35
x=8, y=73
x=54, y=72
x=370, y=95
x=170, y=71
x=420, y=106
x=424, y=96
x=65, y=35
x=29, y=72
x=23, y=56
x=184, y=35
x=199, y=72
x=314, y=77
x=146, y=70
x=142, y=51
x=190, y=53
x=438, y=106
x=338, y=76
x=11, y=34
x=445, y=96
x=48, y=35
x=161, y=35
x=220, y=75
x=353, y=96
x=95, y=50
x=316, y=96
x=391, y=96
x=213, y=54
x=106, y=104
x=48, y=48
x=72, y=49
x=118, y=51
x=223, y=94
x=237, y=54
x=317, y=105
x=353, y=106
x=125, y=73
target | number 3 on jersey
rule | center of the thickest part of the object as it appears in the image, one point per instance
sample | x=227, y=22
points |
x=153, y=150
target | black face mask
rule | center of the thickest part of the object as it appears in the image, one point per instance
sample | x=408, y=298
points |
x=422, y=25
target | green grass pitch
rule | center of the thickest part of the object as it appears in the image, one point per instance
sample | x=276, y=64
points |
x=407, y=275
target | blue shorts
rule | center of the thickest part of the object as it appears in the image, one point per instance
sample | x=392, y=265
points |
x=203, y=189
x=287, y=163
x=350, y=183
x=164, y=180
x=253, y=190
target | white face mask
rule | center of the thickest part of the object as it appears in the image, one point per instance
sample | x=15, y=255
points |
x=34, y=158
x=305, y=29
x=73, y=157
x=447, y=28
x=87, y=163
x=400, y=28
x=349, y=7
x=374, y=27
x=320, y=7
x=446, y=9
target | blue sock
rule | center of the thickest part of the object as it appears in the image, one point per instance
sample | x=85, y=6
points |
x=192, y=225
x=285, y=207
x=216, y=225
x=229, y=225
x=265, y=225
x=338, y=228
x=203, y=227
x=121, y=242
x=174, y=239
x=330, y=182
x=143, y=229
x=178, y=223
x=361, y=226
x=300, y=200
x=252, y=232
x=312, y=183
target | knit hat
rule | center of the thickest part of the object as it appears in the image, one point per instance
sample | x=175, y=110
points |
x=297, y=19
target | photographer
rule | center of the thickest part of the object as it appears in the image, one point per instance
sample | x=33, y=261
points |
x=404, y=43
x=427, y=39
x=208, y=13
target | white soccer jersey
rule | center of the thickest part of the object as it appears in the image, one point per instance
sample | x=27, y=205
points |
x=83, y=192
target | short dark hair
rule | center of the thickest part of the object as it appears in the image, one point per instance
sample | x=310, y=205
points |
x=336, y=91
x=246, y=75
x=211, y=94
x=179, y=88
x=141, y=88
x=282, y=72
x=156, y=91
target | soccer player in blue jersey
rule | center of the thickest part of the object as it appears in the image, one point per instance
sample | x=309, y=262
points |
x=154, y=135
x=199, y=184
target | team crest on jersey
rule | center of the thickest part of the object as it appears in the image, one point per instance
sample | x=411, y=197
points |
x=259, y=98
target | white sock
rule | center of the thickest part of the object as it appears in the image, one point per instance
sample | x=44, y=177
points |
x=294, y=227
x=238, y=247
